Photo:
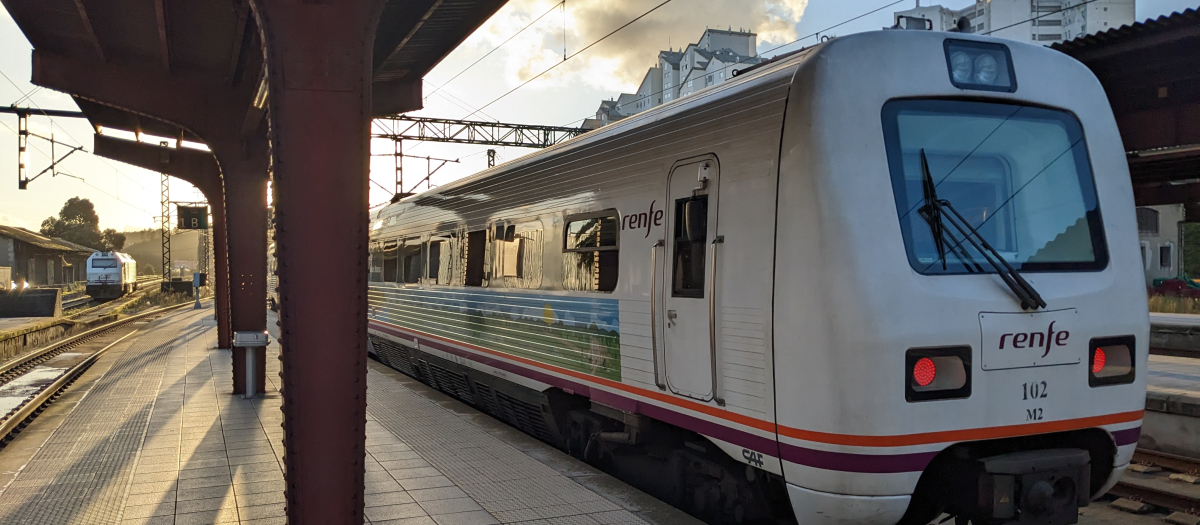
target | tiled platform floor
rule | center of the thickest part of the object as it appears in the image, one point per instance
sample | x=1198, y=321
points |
x=151, y=435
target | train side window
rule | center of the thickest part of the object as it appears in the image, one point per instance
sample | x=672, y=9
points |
x=391, y=266
x=519, y=256
x=687, y=273
x=413, y=266
x=375, y=263
x=590, y=251
x=475, y=246
x=441, y=258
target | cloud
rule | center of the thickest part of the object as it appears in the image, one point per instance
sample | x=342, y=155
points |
x=9, y=220
x=620, y=62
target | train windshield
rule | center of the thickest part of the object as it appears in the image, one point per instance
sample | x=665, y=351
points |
x=104, y=263
x=1018, y=175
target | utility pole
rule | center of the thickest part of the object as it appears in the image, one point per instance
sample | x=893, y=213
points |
x=22, y=145
x=166, y=226
x=491, y=157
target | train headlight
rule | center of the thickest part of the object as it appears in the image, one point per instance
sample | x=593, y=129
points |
x=1111, y=361
x=961, y=67
x=937, y=373
x=980, y=65
x=985, y=69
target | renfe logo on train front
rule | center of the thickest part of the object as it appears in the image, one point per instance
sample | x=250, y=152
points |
x=1011, y=340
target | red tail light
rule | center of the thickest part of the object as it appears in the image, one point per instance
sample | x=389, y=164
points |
x=1098, y=361
x=937, y=373
x=1112, y=361
x=924, y=372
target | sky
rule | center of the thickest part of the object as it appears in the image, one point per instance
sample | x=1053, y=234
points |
x=127, y=198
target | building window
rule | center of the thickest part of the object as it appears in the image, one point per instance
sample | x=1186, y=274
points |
x=709, y=79
x=689, y=83
x=590, y=252
x=1145, y=255
x=1147, y=221
x=1166, y=256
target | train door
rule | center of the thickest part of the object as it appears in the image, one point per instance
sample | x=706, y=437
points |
x=687, y=323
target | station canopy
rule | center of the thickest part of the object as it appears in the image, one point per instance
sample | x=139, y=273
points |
x=1151, y=73
x=217, y=41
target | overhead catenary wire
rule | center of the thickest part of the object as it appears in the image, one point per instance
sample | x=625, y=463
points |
x=563, y=3
x=781, y=46
x=114, y=197
x=573, y=55
x=29, y=97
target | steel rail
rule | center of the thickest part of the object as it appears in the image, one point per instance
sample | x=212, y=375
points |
x=1176, y=352
x=78, y=301
x=54, y=348
x=1166, y=461
x=38, y=401
x=1157, y=496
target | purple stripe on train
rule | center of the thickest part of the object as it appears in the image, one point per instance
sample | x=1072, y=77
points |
x=822, y=459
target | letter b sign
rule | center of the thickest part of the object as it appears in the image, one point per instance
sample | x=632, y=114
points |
x=193, y=218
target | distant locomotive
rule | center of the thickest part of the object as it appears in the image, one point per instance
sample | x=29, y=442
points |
x=863, y=285
x=111, y=275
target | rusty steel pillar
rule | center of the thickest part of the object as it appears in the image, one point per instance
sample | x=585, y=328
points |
x=319, y=64
x=221, y=268
x=244, y=165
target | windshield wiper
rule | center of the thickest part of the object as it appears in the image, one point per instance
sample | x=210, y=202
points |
x=933, y=213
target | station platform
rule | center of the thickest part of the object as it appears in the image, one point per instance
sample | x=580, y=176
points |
x=151, y=434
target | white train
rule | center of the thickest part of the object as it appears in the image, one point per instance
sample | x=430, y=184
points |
x=893, y=275
x=111, y=275
x=272, y=279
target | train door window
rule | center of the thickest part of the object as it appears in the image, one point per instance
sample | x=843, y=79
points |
x=687, y=270
x=376, y=263
x=435, y=259
x=391, y=262
x=412, y=261
x=1166, y=256
x=519, y=256
x=475, y=251
x=590, y=252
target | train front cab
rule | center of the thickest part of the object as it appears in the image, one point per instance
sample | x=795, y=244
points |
x=915, y=376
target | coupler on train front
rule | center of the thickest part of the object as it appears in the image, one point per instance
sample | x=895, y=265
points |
x=1041, y=480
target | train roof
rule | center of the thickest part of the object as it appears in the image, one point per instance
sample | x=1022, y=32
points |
x=754, y=75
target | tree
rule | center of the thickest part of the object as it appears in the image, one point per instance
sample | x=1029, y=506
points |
x=112, y=240
x=77, y=222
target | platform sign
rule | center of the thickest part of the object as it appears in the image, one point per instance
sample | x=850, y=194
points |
x=193, y=217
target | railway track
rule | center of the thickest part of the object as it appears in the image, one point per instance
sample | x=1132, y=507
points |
x=1154, y=484
x=76, y=302
x=1177, y=352
x=28, y=384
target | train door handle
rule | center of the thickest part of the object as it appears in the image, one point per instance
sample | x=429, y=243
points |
x=671, y=315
